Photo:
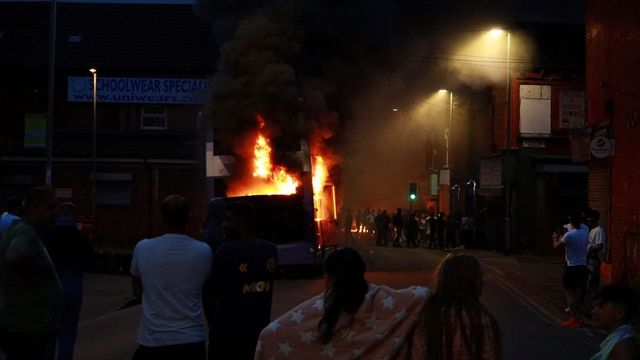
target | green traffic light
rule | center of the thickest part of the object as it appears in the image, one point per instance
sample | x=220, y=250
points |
x=412, y=196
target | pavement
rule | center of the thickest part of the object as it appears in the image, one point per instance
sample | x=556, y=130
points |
x=108, y=328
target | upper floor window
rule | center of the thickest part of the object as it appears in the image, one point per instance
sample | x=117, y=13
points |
x=535, y=110
x=153, y=117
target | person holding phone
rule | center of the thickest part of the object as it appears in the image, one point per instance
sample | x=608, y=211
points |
x=574, y=280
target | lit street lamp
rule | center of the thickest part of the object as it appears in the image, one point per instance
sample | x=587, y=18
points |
x=449, y=156
x=507, y=218
x=93, y=157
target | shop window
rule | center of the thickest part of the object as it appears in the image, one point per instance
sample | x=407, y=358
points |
x=113, y=189
x=153, y=117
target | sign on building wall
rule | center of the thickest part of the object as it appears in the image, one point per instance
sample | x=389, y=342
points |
x=433, y=182
x=491, y=173
x=138, y=90
x=572, y=110
x=35, y=129
x=535, y=110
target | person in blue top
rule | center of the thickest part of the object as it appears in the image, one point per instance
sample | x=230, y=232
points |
x=241, y=286
x=574, y=280
x=614, y=306
x=14, y=207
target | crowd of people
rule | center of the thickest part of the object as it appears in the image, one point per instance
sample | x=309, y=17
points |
x=433, y=230
x=226, y=281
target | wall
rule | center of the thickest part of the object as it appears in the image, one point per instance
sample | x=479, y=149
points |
x=613, y=90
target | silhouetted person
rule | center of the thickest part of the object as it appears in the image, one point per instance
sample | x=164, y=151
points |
x=398, y=223
x=169, y=272
x=432, y=230
x=412, y=231
x=244, y=268
x=452, y=229
x=212, y=226
x=441, y=225
x=30, y=316
x=72, y=254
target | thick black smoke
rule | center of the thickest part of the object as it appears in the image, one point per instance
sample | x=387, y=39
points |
x=332, y=70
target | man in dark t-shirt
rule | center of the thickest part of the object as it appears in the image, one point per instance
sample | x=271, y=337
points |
x=241, y=287
x=72, y=254
x=30, y=316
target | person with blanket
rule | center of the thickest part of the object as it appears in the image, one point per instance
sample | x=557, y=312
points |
x=351, y=320
x=613, y=308
x=455, y=325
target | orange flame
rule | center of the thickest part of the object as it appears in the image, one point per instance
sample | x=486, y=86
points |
x=319, y=176
x=268, y=180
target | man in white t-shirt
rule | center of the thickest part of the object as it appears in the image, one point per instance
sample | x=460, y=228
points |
x=595, y=249
x=574, y=280
x=169, y=272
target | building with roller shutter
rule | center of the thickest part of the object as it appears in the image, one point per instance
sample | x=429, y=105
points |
x=613, y=93
x=153, y=64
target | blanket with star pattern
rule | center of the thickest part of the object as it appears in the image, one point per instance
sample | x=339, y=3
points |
x=381, y=329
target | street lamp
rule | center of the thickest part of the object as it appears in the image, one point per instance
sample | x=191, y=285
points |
x=449, y=144
x=397, y=110
x=93, y=157
x=507, y=218
x=449, y=156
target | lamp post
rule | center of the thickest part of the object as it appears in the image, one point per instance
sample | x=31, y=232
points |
x=449, y=155
x=507, y=218
x=449, y=146
x=50, y=89
x=93, y=153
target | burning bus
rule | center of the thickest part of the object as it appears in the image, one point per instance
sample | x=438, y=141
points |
x=296, y=208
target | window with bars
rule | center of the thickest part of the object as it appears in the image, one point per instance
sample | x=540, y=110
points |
x=153, y=117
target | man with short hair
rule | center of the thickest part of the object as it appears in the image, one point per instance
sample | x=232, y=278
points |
x=244, y=269
x=33, y=296
x=169, y=272
x=614, y=306
x=575, y=275
x=72, y=254
x=595, y=249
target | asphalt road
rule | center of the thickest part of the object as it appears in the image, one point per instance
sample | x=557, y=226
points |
x=106, y=333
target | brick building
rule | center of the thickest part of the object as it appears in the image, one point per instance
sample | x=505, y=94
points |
x=547, y=110
x=153, y=64
x=613, y=93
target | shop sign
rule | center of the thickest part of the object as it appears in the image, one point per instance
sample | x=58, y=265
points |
x=138, y=90
x=601, y=147
x=35, y=131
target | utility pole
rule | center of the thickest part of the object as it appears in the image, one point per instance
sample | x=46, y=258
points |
x=507, y=220
x=52, y=69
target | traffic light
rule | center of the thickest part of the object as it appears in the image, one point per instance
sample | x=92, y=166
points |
x=413, y=191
